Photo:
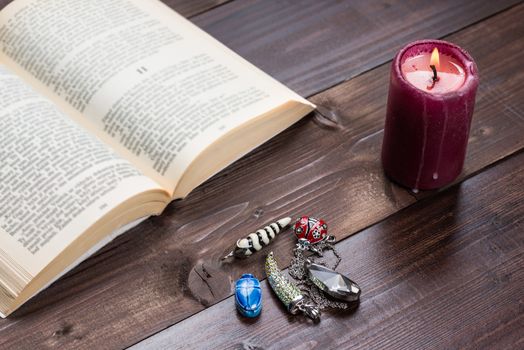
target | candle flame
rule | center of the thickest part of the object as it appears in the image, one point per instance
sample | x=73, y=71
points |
x=435, y=59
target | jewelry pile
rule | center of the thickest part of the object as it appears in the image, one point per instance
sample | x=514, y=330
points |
x=315, y=287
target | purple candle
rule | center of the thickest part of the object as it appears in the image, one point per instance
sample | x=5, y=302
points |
x=430, y=105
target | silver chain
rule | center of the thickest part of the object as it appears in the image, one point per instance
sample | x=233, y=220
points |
x=297, y=270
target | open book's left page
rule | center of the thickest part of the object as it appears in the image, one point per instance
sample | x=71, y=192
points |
x=56, y=181
x=148, y=82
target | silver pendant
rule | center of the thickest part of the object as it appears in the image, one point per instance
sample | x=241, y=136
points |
x=332, y=283
x=255, y=241
x=288, y=292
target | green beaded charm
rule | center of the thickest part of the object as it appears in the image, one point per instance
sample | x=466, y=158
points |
x=288, y=292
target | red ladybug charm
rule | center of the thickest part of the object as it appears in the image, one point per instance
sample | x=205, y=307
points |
x=311, y=229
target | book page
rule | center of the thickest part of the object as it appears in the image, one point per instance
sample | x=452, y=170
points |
x=150, y=83
x=56, y=180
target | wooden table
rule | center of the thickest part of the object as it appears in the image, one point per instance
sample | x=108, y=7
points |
x=440, y=269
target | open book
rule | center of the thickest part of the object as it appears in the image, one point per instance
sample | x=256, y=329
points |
x=110, y=109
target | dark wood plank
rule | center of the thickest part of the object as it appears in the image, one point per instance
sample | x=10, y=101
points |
x=168, y=268
x=443, y=274
x=190, y=8
x=186, y=8
x=312, y=45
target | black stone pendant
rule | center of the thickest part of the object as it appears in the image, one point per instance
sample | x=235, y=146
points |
x=333, y=283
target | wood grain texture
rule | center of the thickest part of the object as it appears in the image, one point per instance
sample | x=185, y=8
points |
x=312, y=45
x=168, y=268
x=186, y=8
x=444, y=274
x=190, y=8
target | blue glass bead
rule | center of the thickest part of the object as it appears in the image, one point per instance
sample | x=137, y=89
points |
x=248, y=296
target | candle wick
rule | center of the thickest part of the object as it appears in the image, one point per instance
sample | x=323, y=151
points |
x=434, y=69
x=434, y=78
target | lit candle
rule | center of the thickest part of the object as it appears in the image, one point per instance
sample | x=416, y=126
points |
x=432, y=73
x=430, y=104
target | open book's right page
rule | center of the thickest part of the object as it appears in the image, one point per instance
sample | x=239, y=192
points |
x=147, y=81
